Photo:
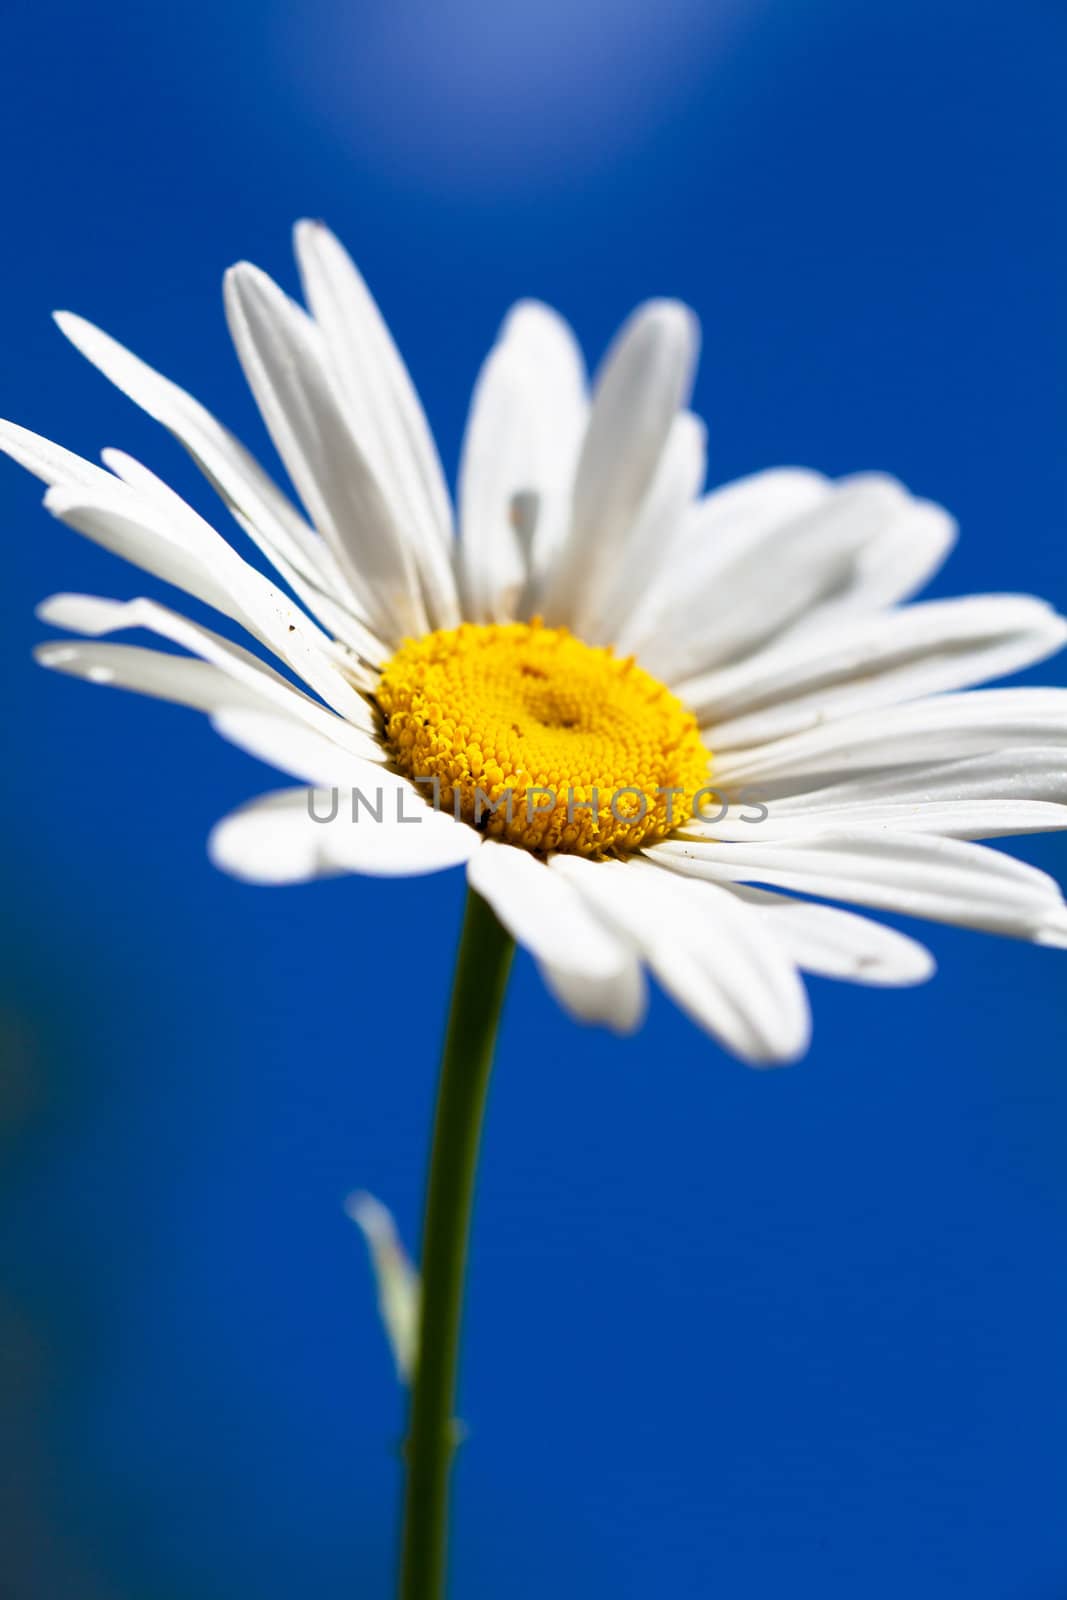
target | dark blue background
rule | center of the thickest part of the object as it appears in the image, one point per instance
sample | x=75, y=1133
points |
x=729, y=1334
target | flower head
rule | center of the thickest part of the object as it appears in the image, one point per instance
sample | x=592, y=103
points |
x=658, y=727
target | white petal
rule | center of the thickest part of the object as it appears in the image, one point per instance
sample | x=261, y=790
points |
x=271, y=841
x=257, y=504
x=263, y=510
x=332, y=610
x=181, y=679
x=161, y=534
x=1053, y=931
x=657, y=531
x=132, y=524
x=719, y=613
x=124, y=524
x=378, y=390
x=91, y=615
x=722, y=534
x=894, y=566
x=951, y=819
x=840, y=944
x=278, y=839
x=50, y=462
x=497, y=467
x=620, y=1002
x=944, y=727
x=643, y=383
x=968, y=819
x=544, y=915
x=942, y=879
x=1028, y=774
x=383, y=410
x=282, y=355
x=558, y=406
x=734, y=518
x=866, y=663
x=711, y=952
x=311, y=754
x=979, y=797
x=527, y=415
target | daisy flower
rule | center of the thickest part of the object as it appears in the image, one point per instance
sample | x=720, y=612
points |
x=548, y=679
x=659, y=728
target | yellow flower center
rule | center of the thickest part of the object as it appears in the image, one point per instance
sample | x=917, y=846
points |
x=541, y=740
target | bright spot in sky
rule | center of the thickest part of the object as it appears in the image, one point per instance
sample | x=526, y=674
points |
x=465, y=93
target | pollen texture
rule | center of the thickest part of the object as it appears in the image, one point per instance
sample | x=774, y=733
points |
x=541, y=740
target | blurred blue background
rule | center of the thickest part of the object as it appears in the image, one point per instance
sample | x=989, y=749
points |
x=729, y=1334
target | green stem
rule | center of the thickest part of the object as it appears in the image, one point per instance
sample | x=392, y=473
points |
x=478, y=992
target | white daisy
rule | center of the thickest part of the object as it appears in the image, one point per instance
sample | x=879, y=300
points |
x=597, y=625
